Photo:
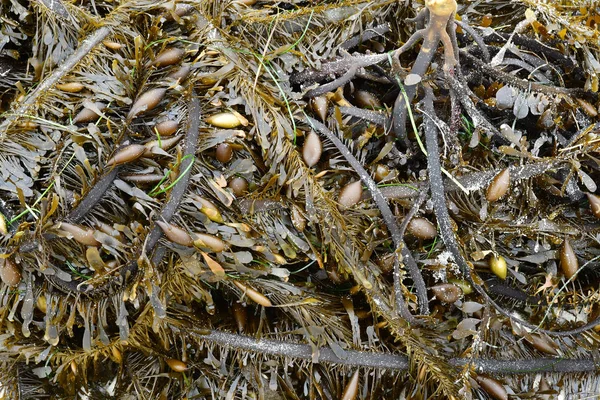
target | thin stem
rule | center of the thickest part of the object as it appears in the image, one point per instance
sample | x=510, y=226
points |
x=396, y=362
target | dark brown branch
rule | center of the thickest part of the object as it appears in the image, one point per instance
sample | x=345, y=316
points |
x=397, y=362
x=472, y=181
x=368, y=34
x=368, y=115
x=178, y=191
x=93, y=196
x=304, y=351
x=535, y=46
x=331, y=86
x=477, y=38
x=523, y=84
x=336, y=68
x=534, y=365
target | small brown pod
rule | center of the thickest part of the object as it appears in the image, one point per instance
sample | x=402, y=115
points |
x=175, y=234
x=366, y=99
x=253, y=295
x=492, y=387
x=181, y=73
x=142, y=178
x=71, y=87
x=169, y=56
x=587, y=107
x=224, y=152
x=319, y=105
x=224, y=120
x=127, y=154
x=499, y=186
x=206, y=241
x=543, y=344
x=88, y=115
x=166, y=128
x=164, y=144
x=351, y=389
x=568, y=260
x=10, y=273
x=381, y=171
x=446, y=292
x=238, y=185
x=146, y=102
x=312, y=150
x=594, y=204
x=350, y=194
x=421, y=228
x=114, y=46
x=81, y=234
x=177, y=365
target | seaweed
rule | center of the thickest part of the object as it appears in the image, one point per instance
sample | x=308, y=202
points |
x=224, y=199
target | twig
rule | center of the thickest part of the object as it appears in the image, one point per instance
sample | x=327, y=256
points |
x=535, y=46
x=179, y=189
x=475, y=180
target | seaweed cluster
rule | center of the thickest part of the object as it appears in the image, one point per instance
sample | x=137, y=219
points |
x=262, y=199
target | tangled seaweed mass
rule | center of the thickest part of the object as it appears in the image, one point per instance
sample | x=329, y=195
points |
x=344, y=199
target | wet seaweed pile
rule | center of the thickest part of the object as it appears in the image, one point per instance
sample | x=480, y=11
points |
x=261, y=199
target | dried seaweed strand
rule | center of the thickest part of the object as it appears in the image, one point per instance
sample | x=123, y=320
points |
x=356, y=358
x=178, y=191
x=534, y=45
x=441, y=212
x=93, y=196
x=478, y=39
x=472, y=181
x=368, y=34
x=523, y=84
x=86, y=46
x=331, y=86
x=336, y=67
x=534, y=365
x=386, y=214
x=375, y=117
x=437, y=30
